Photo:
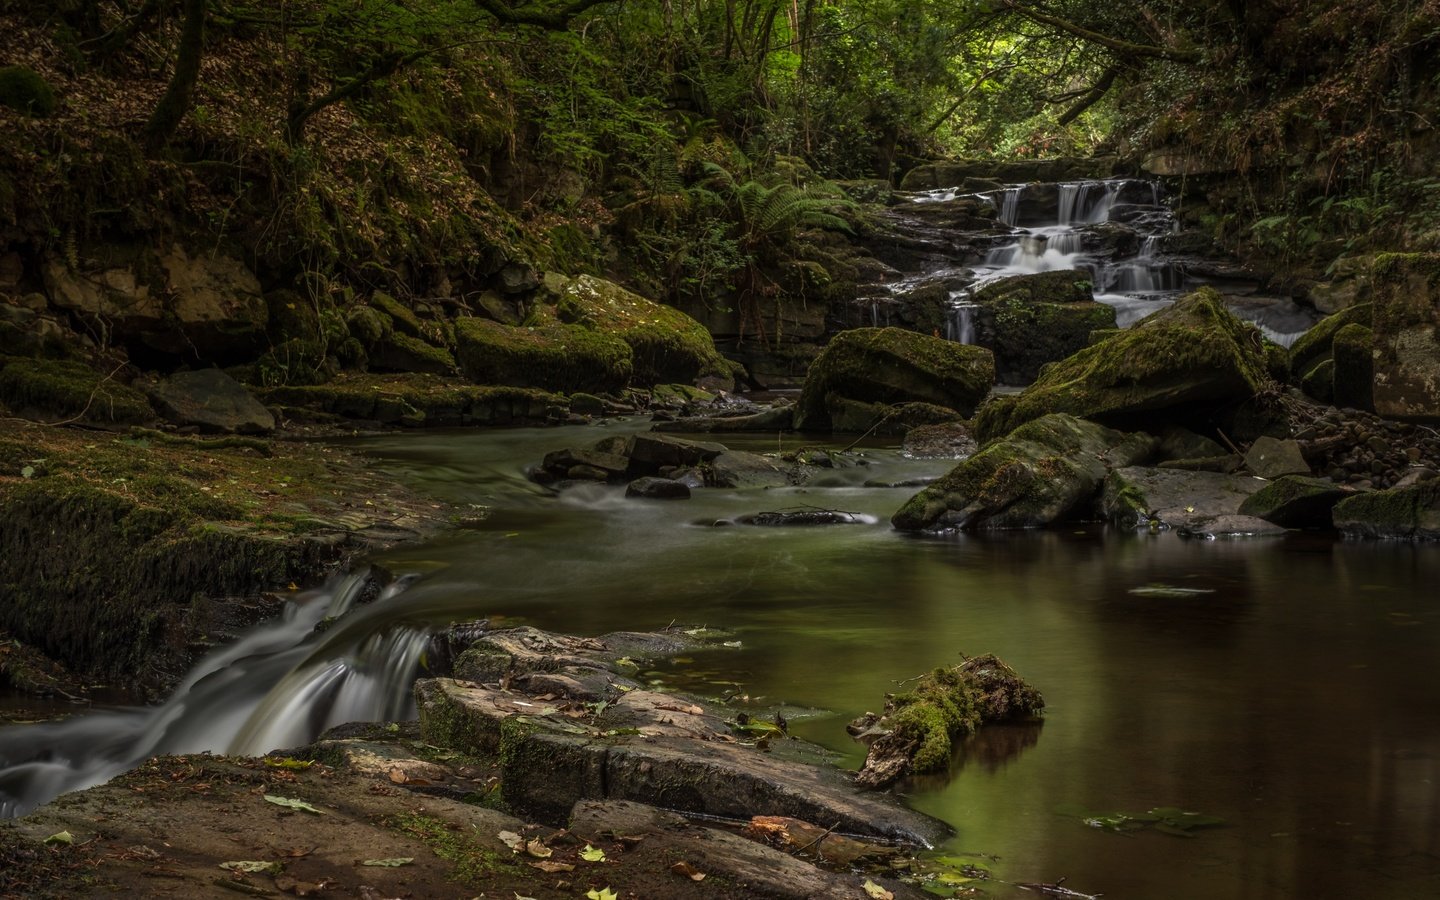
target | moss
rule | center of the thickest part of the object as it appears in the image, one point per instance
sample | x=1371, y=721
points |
x=402, y=317
x=1191, y=354
x=419, y=399
x=401, y=352
x=1319, y=382
x=292, y=316
x=1407, y=513
x=26, y=91
x=1354, y=367
x=474, y=863
x=554, y=357
x=369, y=325
x=1314, y=346
x=296, y=361
x=66, y=389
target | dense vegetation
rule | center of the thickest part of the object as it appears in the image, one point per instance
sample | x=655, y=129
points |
x=421, y=146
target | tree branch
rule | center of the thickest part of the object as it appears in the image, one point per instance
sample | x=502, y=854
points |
x=1091, y=97
x=1118, y=45
x=553, y=19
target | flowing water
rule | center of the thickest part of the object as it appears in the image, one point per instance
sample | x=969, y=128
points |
x=1286, y=686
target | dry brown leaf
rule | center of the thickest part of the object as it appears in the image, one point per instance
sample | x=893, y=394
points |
x=552, y=866
x=689, y=871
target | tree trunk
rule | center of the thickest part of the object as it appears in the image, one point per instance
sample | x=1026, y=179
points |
x=176, y=101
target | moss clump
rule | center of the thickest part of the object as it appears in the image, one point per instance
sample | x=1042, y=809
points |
x=26, y=91
x=419, y=399
x=665, y=344
x=1194, y=354
x=296, y=361
x=891, y=365
x=554, y=357
x=66, y=389
x=474, y=863
x=403, y=319
x=1411, y=513
x=1354, y=367
x=401, y=352
x=1319, y=382
x=944, y=705
x=1314, y=346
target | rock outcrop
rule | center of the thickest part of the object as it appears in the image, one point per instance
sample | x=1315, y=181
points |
x=1406, y=291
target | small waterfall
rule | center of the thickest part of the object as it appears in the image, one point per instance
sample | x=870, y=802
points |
x=279, y=685
x=960, y=325
x=1010, y=205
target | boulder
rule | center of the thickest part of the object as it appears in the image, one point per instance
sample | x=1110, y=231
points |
x=1409, y=513
x=554, y=356
x=1406, y=290
x=739, y=468
x=949, y=440
x=1030, y=320
x=1178, y=443
x=649, y=487
x=1180, y=365
x=893, y=366
x=777, y=418
x=69, y=391
x=1138, y=496
x=802, y=518
x=1044, y=472
x=1272, y=458
x=858, y=416
x=1353, y=367
x=401, y=352
x=216, y=305
x=655, y=450
x=1315, y=346
x=1296, y=501
x=212, y=401
x=112, y=293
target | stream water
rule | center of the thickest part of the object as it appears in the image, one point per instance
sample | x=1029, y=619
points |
x=1287, y=686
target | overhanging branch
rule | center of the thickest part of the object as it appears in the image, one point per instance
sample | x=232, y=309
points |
x=1124, y=47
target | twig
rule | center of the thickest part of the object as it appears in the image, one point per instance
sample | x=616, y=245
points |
x=81, y=414
x=894, y=408
x=823, y=835
x=1229, y=443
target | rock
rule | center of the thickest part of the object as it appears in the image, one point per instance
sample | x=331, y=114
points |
x=859, y=417
x=754, y=868
x=1272, y=458
x=1178, y=443
x=1044, y=472
x=1316, y=345
x=653, y=449
x=1030, y=320
x=1319, y=382
x=1409, y=513
x=1406, y=322
x=112, y=293
x=1169, y=162
x=1178, y=365
x=216, y=304
x=891, y=366
x=1137, y=496
x=554, y=357
x=1349, y=285
x=400, y=352
x=778, y=418
x=802, y=518
x=1296, y=502
x=739, y=469
x=652, y=488
x=1353, y=378
x=66, y=390
x=590, y=457
x=1225, y=464
x=949, y=440
x=1230, y=527
x=26, y=91
x=211, y=400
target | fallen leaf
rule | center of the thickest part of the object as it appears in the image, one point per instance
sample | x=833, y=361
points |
x=603, y=894
x=876, y=891
x=290, y=803
x=398, y=776
x=250, y=865
x=391, y=862
x=689, y=871
x=60, y=837
x=552, y=866
x=512, y=840
x=538, y=850
x=592, y=854
x=286, y=762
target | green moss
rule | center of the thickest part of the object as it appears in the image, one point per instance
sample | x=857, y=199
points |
x=405, y=353
x=419, y=399
x=369, y=325
x=25, y=91
x=292, y=316
x=474, y=863
x=1195, y=352
x=1407, y=513
x=1314, y=346
x=65, y=389
x=1354, y=367
x=296, y=361
x=1319, y=382
x=403, y=318
x=554, y=357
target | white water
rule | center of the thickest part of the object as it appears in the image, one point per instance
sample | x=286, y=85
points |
x=280, y=685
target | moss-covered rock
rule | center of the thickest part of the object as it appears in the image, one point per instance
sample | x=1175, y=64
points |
x=1296, y=501
x=1044, y=472
x=26, y=91
x=65, y=389
x=892, y=366
x=666, y=345
x=553, y=356
x=1030, y=320
x=1178, y=366
x=419, y=400
x=1314, y=346
x=1406, y=291
x=1142, y=497
x=1411, y=513
x=401, y=316
x=1319, y=382
x=401, y=352
x=1352, y=353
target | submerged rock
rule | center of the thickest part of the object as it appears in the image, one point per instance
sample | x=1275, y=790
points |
x=1046, y=471
x=1230, y=527
x=1179, y=365
x=651, y=488
x=947, y=440
x=891, y=366
x=803, y=518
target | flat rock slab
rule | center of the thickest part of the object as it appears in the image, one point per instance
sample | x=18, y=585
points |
x=1172, y=498
x=779, y=418
x=1230, y=527
x=652, y=748
x=1273, y=458
x=212, y=401
x=762, y=870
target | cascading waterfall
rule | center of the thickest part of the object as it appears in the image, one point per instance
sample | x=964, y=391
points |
x=280, y=685
x=960, y=325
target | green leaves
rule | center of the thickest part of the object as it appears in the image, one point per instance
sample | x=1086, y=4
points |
x=592, y=854
x=290, y=803
x=1170, y=820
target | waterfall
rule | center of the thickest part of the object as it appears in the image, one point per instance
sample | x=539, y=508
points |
x=1010, y=205
x=960, y=325
x=279, y=685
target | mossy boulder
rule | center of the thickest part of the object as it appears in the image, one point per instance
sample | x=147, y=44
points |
x=66, y=389
x=1411, y=513
x=666, y=345
x=552, y=356
x=1296, y=501
x=1352, y=353
x=891, y=366
x=26, y=91
x=1315, y=346
x=1406, y=320
x=1030, y=320
x=402, y=318
x=1179, y=366
x=1044, y=472
x=401, y=352
x=418, y=400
